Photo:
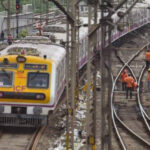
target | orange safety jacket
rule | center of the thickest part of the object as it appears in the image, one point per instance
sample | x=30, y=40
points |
x=148, y=76
x=129, y=81
x=148, y=56
x=135, y=85
x=123, y=76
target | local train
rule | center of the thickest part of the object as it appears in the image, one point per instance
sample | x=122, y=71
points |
x=32, y=72
x=32, y=79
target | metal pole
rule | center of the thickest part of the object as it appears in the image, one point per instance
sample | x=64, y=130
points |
x=17, y=24
x=77, y=55
x=73, y=78
x=109, y=89
x=8, y=18
x=73, y=70
x=88, y=146
x=94, y=80
x=40, y=12
x=67, y=83
x=105, y=90
x=91, y=102
x=33, y=5
x=47, y=9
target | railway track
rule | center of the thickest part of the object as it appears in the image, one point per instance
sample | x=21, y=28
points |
x=20, y=138
x=30, y=140
x=35, y=139
x=125, y=113
x=140, y=128
x=15, y=138
x=53, y=17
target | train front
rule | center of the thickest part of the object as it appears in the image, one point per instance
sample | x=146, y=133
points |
x=24, y=88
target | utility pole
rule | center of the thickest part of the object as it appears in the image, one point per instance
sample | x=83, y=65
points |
x=67, y=84
x=17, y=18
x=8, y=18
x=8, y=14
x=107, y=25
x=33, y=5
x=71, y=88
x=41, y=12
x=47, y=10
x=105, y=82
x=91, y=101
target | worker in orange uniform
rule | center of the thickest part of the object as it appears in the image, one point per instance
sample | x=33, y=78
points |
x=148, y=80
x=123, y=76
x=147, y=58
x=129, y=85
x=135, y=85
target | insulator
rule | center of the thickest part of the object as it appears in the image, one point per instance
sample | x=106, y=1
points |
x=120, y=14
x=120, y=28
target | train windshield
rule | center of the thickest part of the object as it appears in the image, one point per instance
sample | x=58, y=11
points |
x=38, y=80
x=6, y=78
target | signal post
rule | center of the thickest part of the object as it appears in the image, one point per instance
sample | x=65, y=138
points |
x=72, y=25
x=17, y=19
x=91, y=90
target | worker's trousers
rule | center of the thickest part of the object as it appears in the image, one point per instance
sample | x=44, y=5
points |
x=123, y=86
x=129, y=90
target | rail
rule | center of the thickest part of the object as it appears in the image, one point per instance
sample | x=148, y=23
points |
x=35, y=139
x=113, y=112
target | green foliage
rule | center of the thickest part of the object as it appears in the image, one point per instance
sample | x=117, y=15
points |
x=23, y=33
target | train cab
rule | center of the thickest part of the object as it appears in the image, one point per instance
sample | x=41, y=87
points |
x=28, y=84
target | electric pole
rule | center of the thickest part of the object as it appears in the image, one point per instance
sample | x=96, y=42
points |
x=47, y=9
x=91, y=82
x=8, y=18
x=17, y=18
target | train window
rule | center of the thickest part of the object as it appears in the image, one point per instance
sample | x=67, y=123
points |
x=6, y=78
x=2, y=65
x=38, y=80
x=35, y=66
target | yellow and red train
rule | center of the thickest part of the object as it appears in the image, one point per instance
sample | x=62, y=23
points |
x=32, y=79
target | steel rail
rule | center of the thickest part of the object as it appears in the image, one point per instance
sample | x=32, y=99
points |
x=113, y=109
x=139, y=81
x=33, y=144
x=112, y=115
x=28, y=147
x=130, y=130
x=138, y=100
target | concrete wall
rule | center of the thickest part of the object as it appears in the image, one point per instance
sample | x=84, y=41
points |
x=25, y=22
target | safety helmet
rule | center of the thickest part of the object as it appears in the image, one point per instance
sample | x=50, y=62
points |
x=124, y=70
x=148, y=69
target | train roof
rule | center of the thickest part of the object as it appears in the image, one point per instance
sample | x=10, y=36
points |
x=52, y=51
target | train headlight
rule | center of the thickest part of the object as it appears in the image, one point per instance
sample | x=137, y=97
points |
x=21, y=59
x=37, y=110
x=120, y=14
x=40, y=96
